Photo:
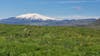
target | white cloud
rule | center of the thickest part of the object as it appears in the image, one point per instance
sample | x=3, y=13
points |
x=65, y=1
x=0, y=18
x=79, y=17
x=77, y=1
x=77, y=7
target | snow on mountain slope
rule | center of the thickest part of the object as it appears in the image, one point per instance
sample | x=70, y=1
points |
x=35, y=16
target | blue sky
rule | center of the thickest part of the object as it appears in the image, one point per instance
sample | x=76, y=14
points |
x=52, y=8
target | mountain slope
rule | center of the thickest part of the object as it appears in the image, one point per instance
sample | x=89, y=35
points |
x=41, y=20
x=35, y=16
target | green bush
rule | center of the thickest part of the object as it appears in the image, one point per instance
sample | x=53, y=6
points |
x=19, y=40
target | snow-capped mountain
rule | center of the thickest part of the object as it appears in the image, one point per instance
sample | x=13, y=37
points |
x=35, y=16
x=41, y=20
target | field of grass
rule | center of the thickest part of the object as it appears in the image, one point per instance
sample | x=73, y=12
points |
x=19, y=40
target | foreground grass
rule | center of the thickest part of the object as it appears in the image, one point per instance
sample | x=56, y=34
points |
x=48, y=41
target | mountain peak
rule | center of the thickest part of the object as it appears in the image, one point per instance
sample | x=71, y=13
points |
x=36, y=16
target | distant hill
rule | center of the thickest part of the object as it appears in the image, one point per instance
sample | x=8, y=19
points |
x=95, y=24
x=41, y=20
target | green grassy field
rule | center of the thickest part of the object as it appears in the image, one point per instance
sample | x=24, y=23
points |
x=19, y=40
